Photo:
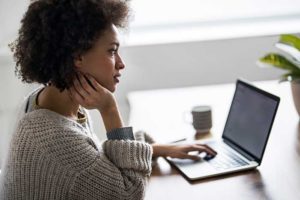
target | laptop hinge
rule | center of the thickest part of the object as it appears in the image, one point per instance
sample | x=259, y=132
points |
x=235, y=147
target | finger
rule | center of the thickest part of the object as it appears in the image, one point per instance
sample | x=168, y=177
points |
x=82, y=83
x=94, y=83
x=211, y=149
x=87, y=78
x=208, y=151
x=77, y=86
x=85, y=85
x=201, y=148
x=191, y=157
x=75, y=95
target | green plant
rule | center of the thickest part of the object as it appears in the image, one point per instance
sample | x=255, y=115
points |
x=290, y=61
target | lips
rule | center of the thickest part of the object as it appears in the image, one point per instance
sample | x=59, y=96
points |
x=116, y=78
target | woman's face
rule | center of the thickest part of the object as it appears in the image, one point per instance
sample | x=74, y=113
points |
x=103, y=61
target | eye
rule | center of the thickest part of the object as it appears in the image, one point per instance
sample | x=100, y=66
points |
x=113, y=51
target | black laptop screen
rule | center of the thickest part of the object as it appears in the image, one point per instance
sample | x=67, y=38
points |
x=250, y=119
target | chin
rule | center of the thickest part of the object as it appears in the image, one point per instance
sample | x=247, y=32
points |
x=112, y=88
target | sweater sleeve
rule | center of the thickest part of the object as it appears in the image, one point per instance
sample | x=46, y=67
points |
x=142, y=136
x=120, y=172
x=121, y=134
x=54, y=158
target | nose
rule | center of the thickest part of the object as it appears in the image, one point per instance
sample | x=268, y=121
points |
x=120, y=63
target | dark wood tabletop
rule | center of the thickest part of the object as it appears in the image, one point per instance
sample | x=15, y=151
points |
x=278, y=177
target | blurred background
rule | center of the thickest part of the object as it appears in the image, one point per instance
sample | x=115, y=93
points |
x=170, y=43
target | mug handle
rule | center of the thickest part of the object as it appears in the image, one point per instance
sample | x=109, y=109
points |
x=187, y=117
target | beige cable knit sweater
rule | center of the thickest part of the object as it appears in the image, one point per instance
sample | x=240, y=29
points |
x=53, y=157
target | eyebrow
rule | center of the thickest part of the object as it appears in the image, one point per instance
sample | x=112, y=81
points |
x=115, y=43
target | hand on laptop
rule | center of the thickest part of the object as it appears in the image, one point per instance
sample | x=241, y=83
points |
x=182, y=151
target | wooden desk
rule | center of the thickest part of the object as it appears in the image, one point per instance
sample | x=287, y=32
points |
x=160, y=113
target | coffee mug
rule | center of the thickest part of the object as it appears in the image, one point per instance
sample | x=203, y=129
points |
x=201, y=118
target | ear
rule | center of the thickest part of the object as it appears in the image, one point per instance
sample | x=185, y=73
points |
x=78, y=61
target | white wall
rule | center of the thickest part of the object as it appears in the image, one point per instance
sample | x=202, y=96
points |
x=194, y=63
x=11, y=12
x=157, y=66
x=147, y=67
x=12, y=92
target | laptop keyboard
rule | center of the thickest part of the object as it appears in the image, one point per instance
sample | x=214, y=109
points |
x=225, y=159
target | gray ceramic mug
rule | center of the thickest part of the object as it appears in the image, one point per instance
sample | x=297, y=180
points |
x=201, y=118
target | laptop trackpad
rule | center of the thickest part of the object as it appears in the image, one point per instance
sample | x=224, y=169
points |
x=193, y=169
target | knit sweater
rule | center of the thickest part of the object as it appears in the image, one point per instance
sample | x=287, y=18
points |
x=54, y=157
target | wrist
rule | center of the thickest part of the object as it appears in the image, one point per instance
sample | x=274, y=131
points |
x=158, y=150
x=108, y=104
x=112, y=118
x=111, y=109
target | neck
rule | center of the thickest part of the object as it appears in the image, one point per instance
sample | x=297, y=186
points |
x=60, y=102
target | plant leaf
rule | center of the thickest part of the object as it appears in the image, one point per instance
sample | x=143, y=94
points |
x=290, y=50
x=289, y=77
x=291, y=40
x=279, y=61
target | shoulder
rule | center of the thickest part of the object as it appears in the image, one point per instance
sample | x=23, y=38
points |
x=46, y=123
x=57, y=137
x=49, y=121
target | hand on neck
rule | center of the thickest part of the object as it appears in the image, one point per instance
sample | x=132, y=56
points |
x=60, y=102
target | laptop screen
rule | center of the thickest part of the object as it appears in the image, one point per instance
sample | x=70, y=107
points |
x=250, y=118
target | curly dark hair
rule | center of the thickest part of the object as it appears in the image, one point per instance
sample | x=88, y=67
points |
x=55, y=32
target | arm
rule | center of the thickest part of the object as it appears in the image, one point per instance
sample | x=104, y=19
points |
x=181, y=150
x=87, y=92
x=120, y=171
x=90, y=94
x=111, y=118
x=174, y=150
x=114, y=175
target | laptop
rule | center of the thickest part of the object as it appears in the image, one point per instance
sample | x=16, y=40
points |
x=244, y=139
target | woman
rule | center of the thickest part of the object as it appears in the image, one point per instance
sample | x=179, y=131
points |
x=71, y=47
